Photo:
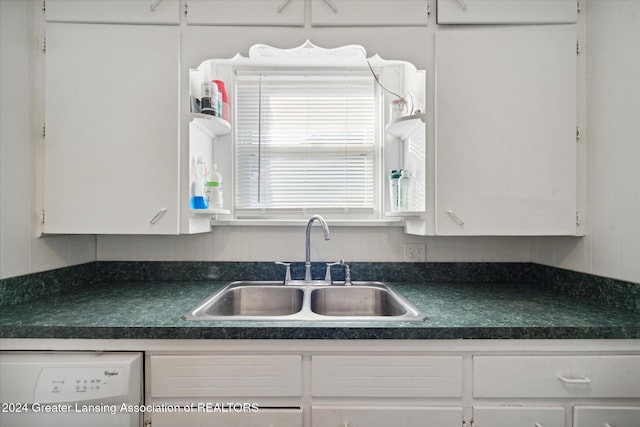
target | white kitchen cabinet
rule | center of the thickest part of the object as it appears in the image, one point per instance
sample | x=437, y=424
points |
x=182, y=376
x=383, y=13
x=246, y=12
x=394, y=378
x=387, y=376
x=596, y=376
x=223, y=390
x=385, y=416
x=112, y=115
x=113, y=11
x=606, y=416
x=505, y=137
x=507, y=11
x=509, y=416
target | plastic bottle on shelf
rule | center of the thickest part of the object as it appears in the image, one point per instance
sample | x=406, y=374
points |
x=394, y=176
x=403, y=190
x=215, y=99
x=199, y=199
x=214, y=188
x=206, y=99
x=223, y=103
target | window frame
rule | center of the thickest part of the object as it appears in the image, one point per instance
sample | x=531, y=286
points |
x=350, y=215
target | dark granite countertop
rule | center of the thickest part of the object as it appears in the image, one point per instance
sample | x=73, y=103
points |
x=460, y=310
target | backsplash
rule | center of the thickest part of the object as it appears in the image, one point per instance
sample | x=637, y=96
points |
x=613, y=292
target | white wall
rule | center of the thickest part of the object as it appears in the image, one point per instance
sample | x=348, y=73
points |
x=21, y=250
x=612, y=245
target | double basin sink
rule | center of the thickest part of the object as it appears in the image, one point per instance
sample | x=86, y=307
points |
x=308, y=301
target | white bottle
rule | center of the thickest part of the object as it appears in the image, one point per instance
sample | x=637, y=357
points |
x=214, y=188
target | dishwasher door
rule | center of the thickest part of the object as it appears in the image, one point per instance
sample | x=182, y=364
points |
x=69, y=389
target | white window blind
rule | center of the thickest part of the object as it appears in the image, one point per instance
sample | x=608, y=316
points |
x=304, y=140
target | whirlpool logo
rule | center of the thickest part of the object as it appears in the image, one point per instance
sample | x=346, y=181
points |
x=111, y=373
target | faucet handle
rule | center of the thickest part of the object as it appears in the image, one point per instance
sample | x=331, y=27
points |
x=347, y=273
x=327, y=276
x=287, y=275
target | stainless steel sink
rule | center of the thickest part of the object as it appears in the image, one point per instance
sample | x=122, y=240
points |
x=367, y=300
x=306, y=300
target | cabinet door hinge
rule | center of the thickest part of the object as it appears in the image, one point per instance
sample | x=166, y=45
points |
x=43, y=46
x=578, y=219
x=44, y=130
x=578, y=47
x=44, y=6
x=186, y=8
x=579, y=6
x=42, y=217
x=578, y=136
x=429, y=8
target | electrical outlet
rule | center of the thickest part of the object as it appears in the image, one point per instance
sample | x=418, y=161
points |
x=415, y=252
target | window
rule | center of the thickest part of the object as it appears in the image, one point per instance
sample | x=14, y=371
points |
x=306, y=140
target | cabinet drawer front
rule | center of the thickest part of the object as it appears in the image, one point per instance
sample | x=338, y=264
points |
x=383, y=13
x=226, y=376
x=507, y=12
x=113, y=11
x=385, y=416
x=556, y=376
x=387, y=376
x=509, y=416
x=263, y=417
x=598, y=416
x=246, y=12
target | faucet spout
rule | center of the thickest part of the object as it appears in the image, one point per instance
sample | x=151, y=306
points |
x=327, y=236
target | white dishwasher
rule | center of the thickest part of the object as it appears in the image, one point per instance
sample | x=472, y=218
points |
x=69, y=389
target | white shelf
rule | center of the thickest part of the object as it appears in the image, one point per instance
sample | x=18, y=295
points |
x=211, y=125
x=404, y=126
x=209, y=211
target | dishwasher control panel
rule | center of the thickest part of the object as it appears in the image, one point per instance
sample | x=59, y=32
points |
x=72, y=384
x=66, y=377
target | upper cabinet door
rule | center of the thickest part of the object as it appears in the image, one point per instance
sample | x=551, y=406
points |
x=246, y=12
x=112, y=143
x=382, y=13
x=114, y=11
x=506, y=117
x=507, y=11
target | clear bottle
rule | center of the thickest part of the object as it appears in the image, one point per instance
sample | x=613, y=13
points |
x=404, y=186
x=394, y=176
x=214, y=188
x=199, y=199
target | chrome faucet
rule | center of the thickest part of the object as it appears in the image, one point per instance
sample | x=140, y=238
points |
x=325, y=227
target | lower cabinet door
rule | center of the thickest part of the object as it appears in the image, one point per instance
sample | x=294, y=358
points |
x=232, y=418
x=606, y=416
x=510, y=416
x=385, y=416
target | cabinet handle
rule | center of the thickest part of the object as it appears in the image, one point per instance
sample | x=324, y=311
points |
x=157, y=216
x=154, y=5
x=455, y=217
x=334, y=8
x=283, y=6
x=462, y=4
x=583, y=380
